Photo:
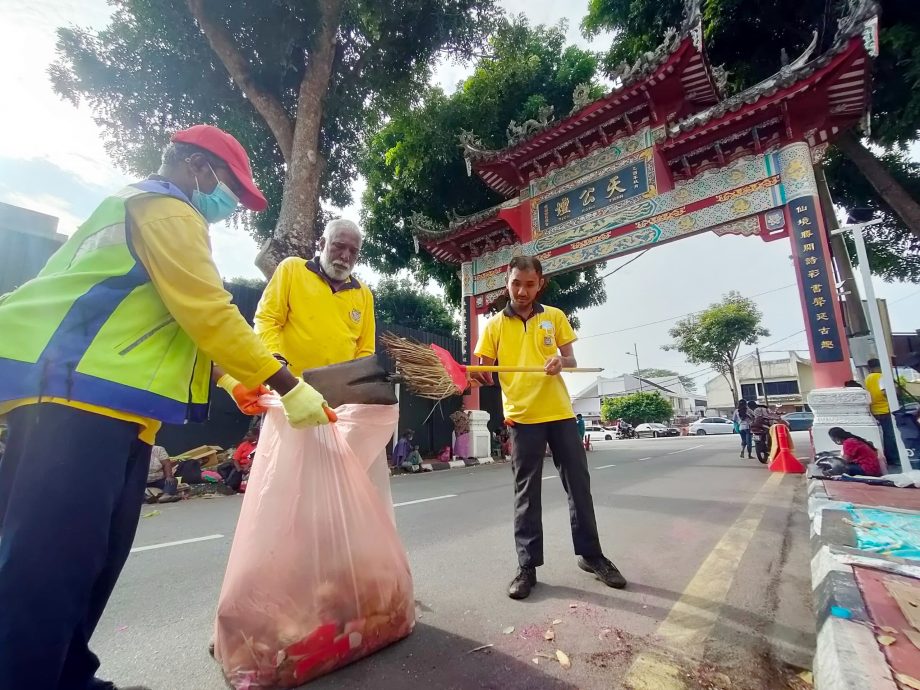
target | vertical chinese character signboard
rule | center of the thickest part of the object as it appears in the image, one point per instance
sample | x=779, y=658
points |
x=815, y=280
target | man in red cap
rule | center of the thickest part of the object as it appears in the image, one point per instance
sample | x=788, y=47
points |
x=114, y=337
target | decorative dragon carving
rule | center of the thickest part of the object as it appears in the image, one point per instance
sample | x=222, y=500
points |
x=517, y=133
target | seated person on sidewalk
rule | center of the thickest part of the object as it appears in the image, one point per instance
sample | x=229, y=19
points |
x=527, y=333
x=235, y=471
x=161, y=468
x=413, y=462
x=403, y=447
x=859, y=454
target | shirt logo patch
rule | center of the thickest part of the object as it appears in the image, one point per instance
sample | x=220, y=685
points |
x=548, y=340
x=355, y=315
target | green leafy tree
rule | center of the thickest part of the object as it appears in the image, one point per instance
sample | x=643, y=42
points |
x=715, y=335
x=404, y=303
x=654, y=373
x=414, y=163
x=746, y=36
x=637, y=408
x=301, y=84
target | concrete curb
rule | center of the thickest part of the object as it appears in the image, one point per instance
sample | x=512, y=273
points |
x=457, y=464
x=847, y=656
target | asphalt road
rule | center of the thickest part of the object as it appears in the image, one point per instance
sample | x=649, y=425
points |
x=715, y=549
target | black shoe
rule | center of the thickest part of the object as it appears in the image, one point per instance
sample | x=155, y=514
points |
x=211, y=647
x=742, y=454
x=523, y=582
x=750, y=457
x=603, y=570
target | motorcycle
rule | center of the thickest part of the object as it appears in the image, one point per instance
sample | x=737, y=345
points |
x=626, y=431
x=761, y=431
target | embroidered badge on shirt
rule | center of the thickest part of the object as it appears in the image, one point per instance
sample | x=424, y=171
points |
x=355, y=315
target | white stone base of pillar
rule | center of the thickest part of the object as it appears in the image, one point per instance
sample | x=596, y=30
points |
x=480, y=438
x=847, y=408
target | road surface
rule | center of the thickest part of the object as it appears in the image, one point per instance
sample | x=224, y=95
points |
x=715, y=549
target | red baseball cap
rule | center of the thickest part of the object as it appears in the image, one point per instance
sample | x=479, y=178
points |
x=230, y=151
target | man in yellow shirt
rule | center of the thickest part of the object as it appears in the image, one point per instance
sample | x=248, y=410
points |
x=114, y=337
x=878, y=406
x=539, y=410
x=315, y=313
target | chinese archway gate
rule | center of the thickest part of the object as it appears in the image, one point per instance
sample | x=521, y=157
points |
x=664, y=156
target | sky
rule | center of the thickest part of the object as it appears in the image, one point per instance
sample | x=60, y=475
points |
x=53, y=160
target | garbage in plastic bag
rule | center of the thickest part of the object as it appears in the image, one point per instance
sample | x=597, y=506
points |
x=317, y=576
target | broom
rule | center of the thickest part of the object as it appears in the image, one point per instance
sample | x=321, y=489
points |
x=430, y=371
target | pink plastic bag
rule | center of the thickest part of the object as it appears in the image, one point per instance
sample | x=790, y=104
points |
x=317, y=576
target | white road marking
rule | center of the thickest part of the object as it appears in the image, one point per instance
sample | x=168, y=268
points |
x=138, y=549
x=641, y=459
x=551, y=476
x=604, y=467
x=684, y=450
x=423, y=500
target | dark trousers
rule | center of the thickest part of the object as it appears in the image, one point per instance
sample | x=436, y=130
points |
x=747, y=439
x=71, y=489
x=528, y=448
x=889, y=442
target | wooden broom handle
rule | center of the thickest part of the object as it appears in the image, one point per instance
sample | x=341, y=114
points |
x=528, y=370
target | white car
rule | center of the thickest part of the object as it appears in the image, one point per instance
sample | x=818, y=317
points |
x=597, y=433
x=712, y=425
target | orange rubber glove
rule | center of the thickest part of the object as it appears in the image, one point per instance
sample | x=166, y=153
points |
x=246, y=399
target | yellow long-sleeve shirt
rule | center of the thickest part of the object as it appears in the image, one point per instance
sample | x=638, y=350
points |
x=302, y=318
x=171, y=240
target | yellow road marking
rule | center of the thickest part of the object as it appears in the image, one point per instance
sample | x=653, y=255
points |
x=692, y=618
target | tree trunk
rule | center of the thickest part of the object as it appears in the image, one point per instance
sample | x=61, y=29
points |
x=852, y=305
x=300, y=205
x=732, y=384
x=901, y=203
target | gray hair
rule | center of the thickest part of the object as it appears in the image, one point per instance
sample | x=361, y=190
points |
x=177, y=152
x=337, y=225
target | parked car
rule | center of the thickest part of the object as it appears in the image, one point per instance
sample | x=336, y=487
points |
x=712, y=425
x=652, y=430
x=596, y=433
x=799, y=421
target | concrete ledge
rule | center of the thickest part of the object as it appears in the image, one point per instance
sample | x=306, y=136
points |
x=848, y=658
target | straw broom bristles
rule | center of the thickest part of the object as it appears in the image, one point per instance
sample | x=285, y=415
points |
x=419, y=368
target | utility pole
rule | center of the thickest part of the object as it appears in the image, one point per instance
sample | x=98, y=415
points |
x=766, y=398
x=635, y=354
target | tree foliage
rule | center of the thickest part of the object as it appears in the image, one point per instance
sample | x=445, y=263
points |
x=653, y=373
x=714, y=336
x=301, y=84
x=637, y=408
x=404, y=303
x=414, y=163
x=746, y=36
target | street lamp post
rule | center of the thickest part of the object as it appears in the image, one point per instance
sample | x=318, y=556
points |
x=875, y=326
x=638, y=370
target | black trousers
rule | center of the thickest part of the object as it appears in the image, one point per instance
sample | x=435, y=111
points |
x=528, y=449
x=71, y=488
x=889, y=442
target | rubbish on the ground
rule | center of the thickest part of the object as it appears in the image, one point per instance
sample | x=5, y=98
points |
x=152, y=513
x=557, y=621
x=121, y=628
x=508, y=630
x=535, y=660
x=205, y=455
x=913, y=636
x=888, y=629
x=887, y=532
x=480, y=648
x=543, y=655
x=549, y=635
x=573, y=606
x=563, y=658
x=909, y=681
x=841, y=612
x=908, y=599
x=886, y=640
x=807, y=677
x=603, y=634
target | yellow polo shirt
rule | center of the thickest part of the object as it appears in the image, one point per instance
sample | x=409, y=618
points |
x=510, y=340
x=878, y=401
x=302, y=318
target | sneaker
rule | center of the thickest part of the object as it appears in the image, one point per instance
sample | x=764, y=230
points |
x=603, y=570
x=742, y=454
x=523, y=583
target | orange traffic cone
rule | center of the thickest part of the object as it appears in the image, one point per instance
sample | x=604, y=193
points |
x=783, y=460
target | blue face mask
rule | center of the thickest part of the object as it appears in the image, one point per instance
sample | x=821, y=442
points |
x=217, y=205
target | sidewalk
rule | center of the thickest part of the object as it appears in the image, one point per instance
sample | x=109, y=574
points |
x=866, y=585
x=435, y=465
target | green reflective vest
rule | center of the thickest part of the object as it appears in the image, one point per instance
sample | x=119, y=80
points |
x=91, y=327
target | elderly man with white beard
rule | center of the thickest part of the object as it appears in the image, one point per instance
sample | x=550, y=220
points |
x=316, y=313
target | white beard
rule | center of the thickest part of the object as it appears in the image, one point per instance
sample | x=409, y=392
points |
x=334, y=272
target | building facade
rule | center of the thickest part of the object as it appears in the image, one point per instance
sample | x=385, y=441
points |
x=684, y=403
x=786, y=383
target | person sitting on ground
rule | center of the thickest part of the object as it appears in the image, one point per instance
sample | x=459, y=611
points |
x=237, y=469
x=413, y=461
x=161, y=468
x=403, y=447
x=859, y=454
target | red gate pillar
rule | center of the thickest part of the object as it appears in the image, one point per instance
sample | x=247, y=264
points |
x=470, y=325
x=821, y=309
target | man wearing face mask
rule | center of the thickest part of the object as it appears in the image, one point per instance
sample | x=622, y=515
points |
x=316, y=313
x=113, y=338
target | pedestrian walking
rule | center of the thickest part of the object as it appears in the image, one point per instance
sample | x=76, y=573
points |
x=539, y=409
x=742, y=420
x=114, y=337
x=878, y=406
